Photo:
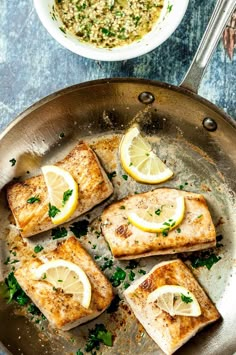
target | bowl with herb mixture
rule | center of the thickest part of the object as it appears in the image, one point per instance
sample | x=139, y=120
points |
x=111, y=30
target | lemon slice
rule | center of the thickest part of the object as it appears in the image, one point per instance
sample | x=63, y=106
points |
x=175, y=300
x=158, y=219
x=62, y=192
x=67, y=276
x=139, y=160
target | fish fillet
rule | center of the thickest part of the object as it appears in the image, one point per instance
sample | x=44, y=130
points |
x=94, y=187
x=170, y=333
x=61, y=310
x=126, y=241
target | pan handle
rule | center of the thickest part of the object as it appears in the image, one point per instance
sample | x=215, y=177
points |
x=218, y=21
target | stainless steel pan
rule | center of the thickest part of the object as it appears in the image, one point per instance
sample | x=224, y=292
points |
x=195, y=137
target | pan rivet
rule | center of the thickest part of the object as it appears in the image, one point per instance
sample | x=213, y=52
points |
x=209, y=124
x=146, y=97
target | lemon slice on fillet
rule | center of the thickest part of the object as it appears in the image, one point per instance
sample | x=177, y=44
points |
x=175, y=300
x=67, y=276
x=62, y=192
x=159, y=218
x=139, y=160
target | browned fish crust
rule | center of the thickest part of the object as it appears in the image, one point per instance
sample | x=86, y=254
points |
x=126, y=241
x=169, y=332
x=94, y=187
x=62, y=311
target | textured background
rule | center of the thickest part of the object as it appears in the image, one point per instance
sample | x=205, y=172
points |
x=33, y=65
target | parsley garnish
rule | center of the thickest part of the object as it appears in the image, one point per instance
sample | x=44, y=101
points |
x=96, y=336
x=79, y=352
x=62, y=29
x=66, y=196
x=118, y=277
x=80, y=228
x=15, y=291
x=126, y=285
x=33, y=309
x=131, y=275
x=12, y=161
x=158, y=212
x=111, y=175
x=199, y=216
x=59, y=232
x=132, y=265
x=178, y=230
x=52, y=211
x=33, y=199
x=107, y=265
x=38, y=248
x=142, y=272
x=125, y=177
x=205, y=259
x=122, y=207
x=186, y=299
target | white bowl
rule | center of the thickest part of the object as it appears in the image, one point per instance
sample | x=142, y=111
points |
x=166, y=25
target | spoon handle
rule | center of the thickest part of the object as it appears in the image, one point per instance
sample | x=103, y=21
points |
x=223, y=10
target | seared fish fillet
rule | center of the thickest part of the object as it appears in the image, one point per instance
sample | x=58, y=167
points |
x=94, y=187
x=61, y=310
x=170, y=333
x=126, y=241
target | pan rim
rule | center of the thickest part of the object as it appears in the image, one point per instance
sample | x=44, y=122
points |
x=108, y=81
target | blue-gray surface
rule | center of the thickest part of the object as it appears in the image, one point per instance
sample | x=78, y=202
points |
x=33, y=64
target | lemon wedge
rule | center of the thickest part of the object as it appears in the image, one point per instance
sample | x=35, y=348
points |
x=175, y=300
x=159, y=219
x=139, y=160
x=62, y=192
x=67, y=276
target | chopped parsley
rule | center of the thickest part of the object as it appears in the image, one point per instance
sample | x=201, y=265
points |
x=111, y=175
x=142, y=272
x=169, y=7
x=96, y=336
x=186, y=299
x=126, y=285
x=66, y=196
x=178, y=230
x=131, y=275
x=205, y=259
x=107, y=265
x=132, y=264
x=200, y=216
x=52, y=211
x=62, y=29
x=122, y=207
x=79, y=352
x=158, y=212
x=59, y=232
x=15, y=292
x=32, y=309
x=7, y=261
x=80, y=228
x=33, y=199
x=118, y=276
x=62, y=135
x=125, y=177
x=12, y=161
x=38, y=248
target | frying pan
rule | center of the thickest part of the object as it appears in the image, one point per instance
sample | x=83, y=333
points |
x=197, y=140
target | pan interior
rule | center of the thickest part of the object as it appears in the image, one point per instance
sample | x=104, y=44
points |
x=100, y=114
